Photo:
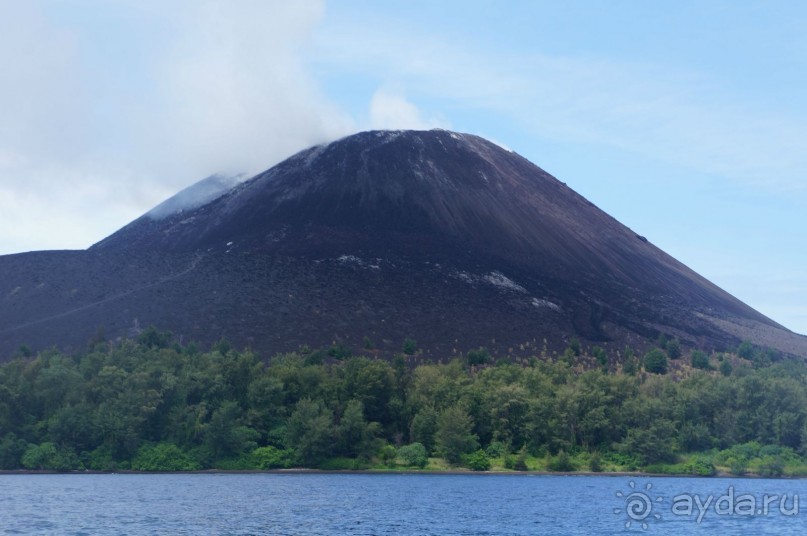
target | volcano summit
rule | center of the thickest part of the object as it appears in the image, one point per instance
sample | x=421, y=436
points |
x=441, y=237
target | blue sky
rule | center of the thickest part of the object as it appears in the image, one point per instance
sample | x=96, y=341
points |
x=685, y=120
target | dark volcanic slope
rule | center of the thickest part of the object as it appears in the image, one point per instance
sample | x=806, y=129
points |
x=443, y=237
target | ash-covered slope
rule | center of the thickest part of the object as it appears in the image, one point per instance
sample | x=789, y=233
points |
x=442, y=237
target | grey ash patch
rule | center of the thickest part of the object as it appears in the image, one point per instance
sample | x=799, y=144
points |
x=498, y=279
x=357, y=261
x=494, y=278
x=545, y=304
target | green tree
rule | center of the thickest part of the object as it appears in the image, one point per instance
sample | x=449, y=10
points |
x=24, y=351
x=50, y=457
x=454, y=435
x=354, y=434
x=700, y=360
x=424, y=427
x=630, y=364
x=151, y=337
x=340, y=351
x=410, y=346
x=506, y=407
x=12, y=449
x=655, y=361
x=371, y=382
x=481, y=356
x=601, y=356
x=746, y=350
x=225, y=435
x=309, y=432
x=265, y=403
x=73, y=425
x=674, y=348
x=651, y=444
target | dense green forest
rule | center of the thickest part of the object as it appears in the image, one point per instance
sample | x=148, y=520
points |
x=151, y=404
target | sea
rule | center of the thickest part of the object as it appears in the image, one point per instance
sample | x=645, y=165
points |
x=397, y=504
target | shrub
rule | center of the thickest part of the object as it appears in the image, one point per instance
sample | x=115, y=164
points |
x=655, y=361
x=477, y=461
x=700, y=467
x=101, y=459
x=738, y=466
x=11, y=450
x=49, y=457
x=771, y=466
x=700, y=360
x=340, y=351
x=387, y=455
x=521, y=460
x=243, y=462
x=561, y=463
x=479, y=357
x=414, y=455
x=410, y=346
x=496, y=449
x=163, y=457
x=24, y=351
x=746, y=350
x=272, y=458
x=601, y=356
x=340, y=464
x=596, y=462
x=725, y=368
x=151, y=337
x=674, y=348
x=316, y=357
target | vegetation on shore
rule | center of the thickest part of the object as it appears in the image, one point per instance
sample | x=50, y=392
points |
x=152, y=404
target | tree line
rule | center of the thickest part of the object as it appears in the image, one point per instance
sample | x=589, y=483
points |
x=152, y=404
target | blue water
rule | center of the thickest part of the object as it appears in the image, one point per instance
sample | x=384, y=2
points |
x=337, y=504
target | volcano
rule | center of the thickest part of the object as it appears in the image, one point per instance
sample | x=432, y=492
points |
x=436, y=236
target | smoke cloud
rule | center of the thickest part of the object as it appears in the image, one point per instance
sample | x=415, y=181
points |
x=110, y=107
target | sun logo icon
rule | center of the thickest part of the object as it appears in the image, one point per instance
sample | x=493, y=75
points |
x=638, y=506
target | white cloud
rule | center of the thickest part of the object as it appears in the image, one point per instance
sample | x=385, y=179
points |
x=390, y=110
x=236, y=90
x=41, y=94
x=657, y=111
x=90, y=139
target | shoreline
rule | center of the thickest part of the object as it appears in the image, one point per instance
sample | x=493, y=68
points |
x=451, y=472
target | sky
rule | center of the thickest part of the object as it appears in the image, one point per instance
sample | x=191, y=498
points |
x=685, y=120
